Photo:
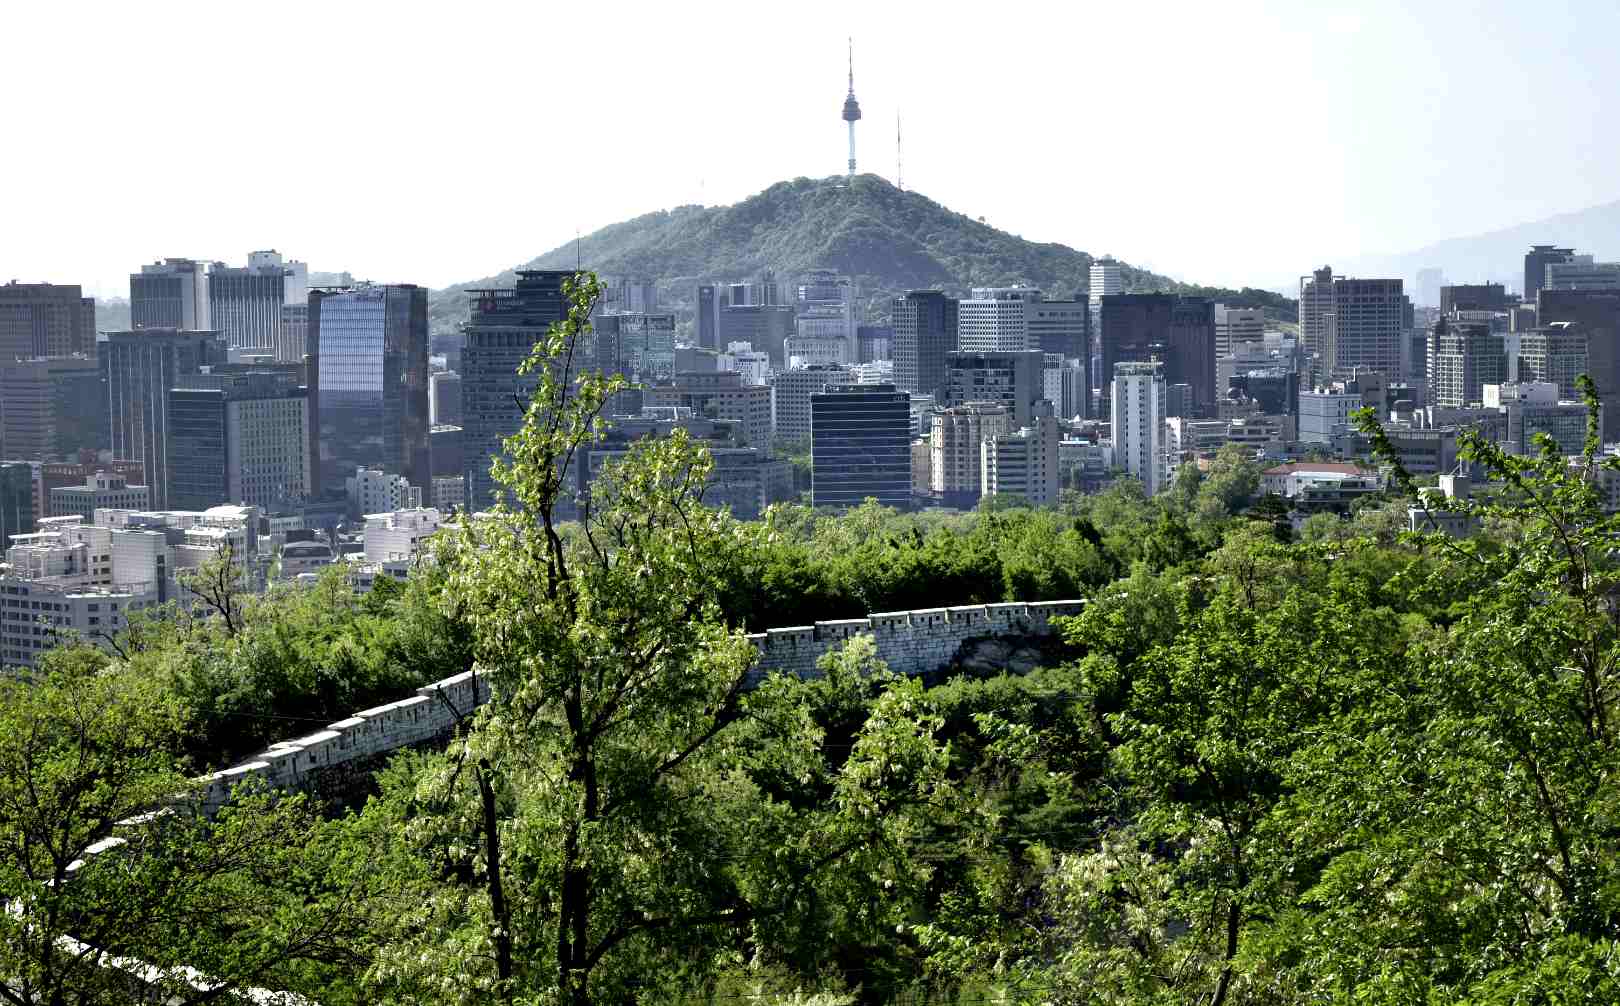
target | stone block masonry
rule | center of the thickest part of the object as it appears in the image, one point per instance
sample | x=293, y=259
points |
x=910, y=642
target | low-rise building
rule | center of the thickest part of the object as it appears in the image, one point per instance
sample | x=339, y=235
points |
x=373, y=490
x=397, y=535
x=449, y=493
x=103, y=489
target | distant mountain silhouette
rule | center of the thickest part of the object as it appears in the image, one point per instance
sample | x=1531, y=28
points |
x=1498, y=256
x=888, y=240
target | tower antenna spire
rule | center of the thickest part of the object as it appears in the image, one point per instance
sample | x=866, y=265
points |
x=852, y=108
x=899, y=161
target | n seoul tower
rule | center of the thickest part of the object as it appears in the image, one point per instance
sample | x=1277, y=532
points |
x=852, y=108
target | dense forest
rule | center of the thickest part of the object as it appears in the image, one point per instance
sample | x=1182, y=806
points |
x=1356, y=764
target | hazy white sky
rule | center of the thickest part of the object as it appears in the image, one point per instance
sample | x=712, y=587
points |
x=1236, y=142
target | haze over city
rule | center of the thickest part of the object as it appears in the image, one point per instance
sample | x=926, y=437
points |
x=1234, y=144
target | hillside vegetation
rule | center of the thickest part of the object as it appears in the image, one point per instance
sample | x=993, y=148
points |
x=887, y=239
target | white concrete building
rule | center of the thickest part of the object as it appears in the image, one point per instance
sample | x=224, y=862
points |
x=814, y=350
x=792, y=390
x=1106, y=279
x=397, y=536
x=956, y=470
x=1235, y=326
x=1023, y=463
x=1324, y=413
x=995, y=319
x=59, y=580
x=1137, y=417
x=373, y=490
x=103, y=489
x=753, y=364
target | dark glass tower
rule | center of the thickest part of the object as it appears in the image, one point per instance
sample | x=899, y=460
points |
x=1535, y=267
x=138, y=369
x=45, y=319
x=924, y=332
x=860, y=446
x=1138, y=327
x=16, y=500
x=1597, y=312
x=504, y=327
x=370, y=400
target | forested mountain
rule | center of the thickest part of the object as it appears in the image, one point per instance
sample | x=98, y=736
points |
x=889, y=240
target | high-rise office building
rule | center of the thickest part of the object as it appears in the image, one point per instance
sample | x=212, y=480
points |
x=1067, y=386
x=1014, y=380
x=763, y=326
x=1106, y=280
x=245, y=303
x=708, y=316
x=172, y=293
x=292, y=339
x=239, y=438
x=995, y=319
x=1137, y=417
x=874, y=343
x=1581, y=272
x=825, y=309
x=1474, y=297
x=1315, y=304
x=138, y=369
x=1023, y=462
x=1555, y=354
x=925, y=327
x=51, y=408
x=639, y=346
x=17, y=512
x=955, y=467
x=1597, y=312
x=790, y=397
x=720, y=395
x=370, y=405
x=1059, y=326
x=1235, y=326
x=46, y=319
x=1463, y=356
x=1177, y=331
x=1536, y=261
x=444, y=398
x=860, y=446
x=1351, y=324
x=502, y=331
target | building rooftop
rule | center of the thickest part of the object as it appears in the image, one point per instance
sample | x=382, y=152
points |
x=1319, y=468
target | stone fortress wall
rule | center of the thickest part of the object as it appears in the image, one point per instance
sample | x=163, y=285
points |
x=910, y=642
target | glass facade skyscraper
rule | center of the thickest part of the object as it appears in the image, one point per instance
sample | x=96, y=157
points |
x=138, y=369
x=925, y=324
x=370, y=399
x=860, y=446
x=505, y=325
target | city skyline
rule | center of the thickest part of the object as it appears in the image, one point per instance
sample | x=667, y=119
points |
x=1395, y=173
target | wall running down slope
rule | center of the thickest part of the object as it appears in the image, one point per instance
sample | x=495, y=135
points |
x=910, y=642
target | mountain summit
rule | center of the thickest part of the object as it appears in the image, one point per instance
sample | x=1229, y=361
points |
x=889, y=240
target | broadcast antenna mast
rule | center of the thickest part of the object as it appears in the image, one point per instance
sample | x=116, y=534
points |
x=899, y=174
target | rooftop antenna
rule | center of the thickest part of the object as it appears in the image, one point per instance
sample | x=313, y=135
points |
x=899, y=174
x=579, y=261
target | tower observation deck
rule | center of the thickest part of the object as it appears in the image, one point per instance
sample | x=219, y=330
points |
x=852, y=108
